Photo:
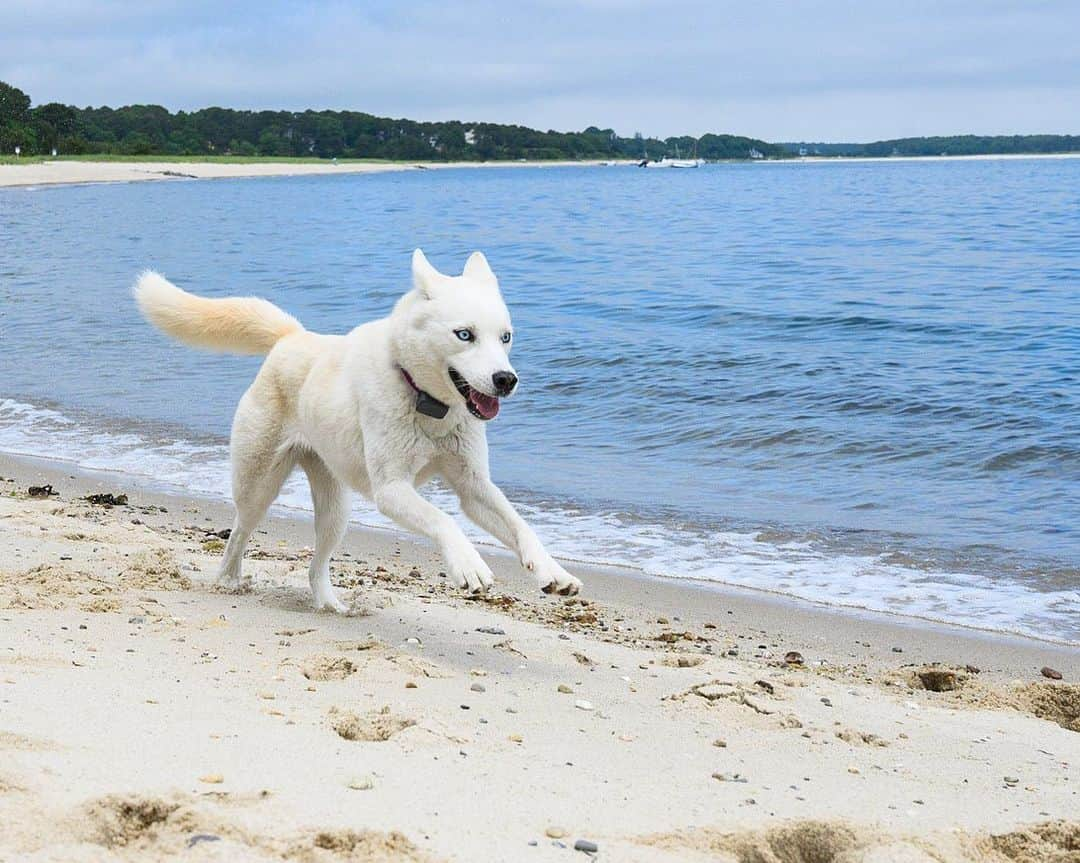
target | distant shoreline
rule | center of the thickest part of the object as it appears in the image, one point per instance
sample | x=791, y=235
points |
x=973, y=157
x=77, y=172
x=64, y=172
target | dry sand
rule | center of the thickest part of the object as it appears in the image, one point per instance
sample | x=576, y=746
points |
x=66, y=172
x=144, y=715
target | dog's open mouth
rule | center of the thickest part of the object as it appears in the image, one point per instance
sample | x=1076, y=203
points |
x=480, y=405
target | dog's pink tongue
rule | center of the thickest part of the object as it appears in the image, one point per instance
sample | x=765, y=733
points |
x=488, y=406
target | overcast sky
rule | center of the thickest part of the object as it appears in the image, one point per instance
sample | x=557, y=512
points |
x=819, y=71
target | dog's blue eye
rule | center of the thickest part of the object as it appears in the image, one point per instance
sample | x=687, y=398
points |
x=506, y=338
x=464, y=335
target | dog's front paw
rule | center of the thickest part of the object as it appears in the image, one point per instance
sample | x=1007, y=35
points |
x=552, y=578
x=328, y=601
x=468, y=571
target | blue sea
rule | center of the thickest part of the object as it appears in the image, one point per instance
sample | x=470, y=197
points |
x=857, y=383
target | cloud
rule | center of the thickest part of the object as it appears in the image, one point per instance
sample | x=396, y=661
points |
x=808, y=70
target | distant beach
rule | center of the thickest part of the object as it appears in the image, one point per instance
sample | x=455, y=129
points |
x=63, y=172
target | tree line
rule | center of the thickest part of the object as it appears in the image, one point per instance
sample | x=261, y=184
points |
x=154, y=130
x=946, y=145
x=137, y=130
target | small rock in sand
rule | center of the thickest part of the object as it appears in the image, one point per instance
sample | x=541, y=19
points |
x=682, y=661
x=586, y=846
x=361, y=783
x=582, y=704
x=491, y=630
x=107, y=499
x=554, y=832
x=1052, y=673
x=477, y=687
x=793, y=657
x=564, y=689
x=212, y=778
x=937, y=679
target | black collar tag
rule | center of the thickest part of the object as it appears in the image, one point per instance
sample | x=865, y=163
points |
x=430, y=406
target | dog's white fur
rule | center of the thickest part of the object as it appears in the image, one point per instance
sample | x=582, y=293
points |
x=340, y=408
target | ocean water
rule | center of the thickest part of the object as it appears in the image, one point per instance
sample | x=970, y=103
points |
x=854, y=383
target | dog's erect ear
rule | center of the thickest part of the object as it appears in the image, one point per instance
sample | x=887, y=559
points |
x=477, y=268
x=425, y=277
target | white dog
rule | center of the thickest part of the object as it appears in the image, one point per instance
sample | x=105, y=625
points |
x=380, y=410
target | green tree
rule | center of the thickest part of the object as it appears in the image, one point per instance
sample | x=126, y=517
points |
x=14, y=106
x=53, y=122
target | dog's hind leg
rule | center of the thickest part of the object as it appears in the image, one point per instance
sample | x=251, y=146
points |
x=260, y=467
x=331, y=502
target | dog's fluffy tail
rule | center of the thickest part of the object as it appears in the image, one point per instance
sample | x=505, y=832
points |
x=238, y=325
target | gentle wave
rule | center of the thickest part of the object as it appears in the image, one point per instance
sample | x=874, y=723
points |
x=779, y=560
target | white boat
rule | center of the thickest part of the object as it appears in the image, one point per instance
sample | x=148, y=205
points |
x=674, y=163
x=677, y=162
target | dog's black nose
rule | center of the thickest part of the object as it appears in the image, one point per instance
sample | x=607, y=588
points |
x=504, y=382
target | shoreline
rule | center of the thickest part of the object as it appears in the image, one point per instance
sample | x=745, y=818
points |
x=16, y=463
x=920, y=639
x=972, y=157
x=63, y=172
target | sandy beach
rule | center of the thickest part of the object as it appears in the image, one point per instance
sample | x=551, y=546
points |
x=61, y=172
x=146, y=715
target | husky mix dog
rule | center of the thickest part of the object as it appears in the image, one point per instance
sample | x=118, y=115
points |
x=380, y=410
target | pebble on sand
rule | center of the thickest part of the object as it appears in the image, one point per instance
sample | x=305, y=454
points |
x=586, y=846
x=212, y=779
x=1052, y=673
x=938, y=679
x=554, y=832
x=564, y=689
